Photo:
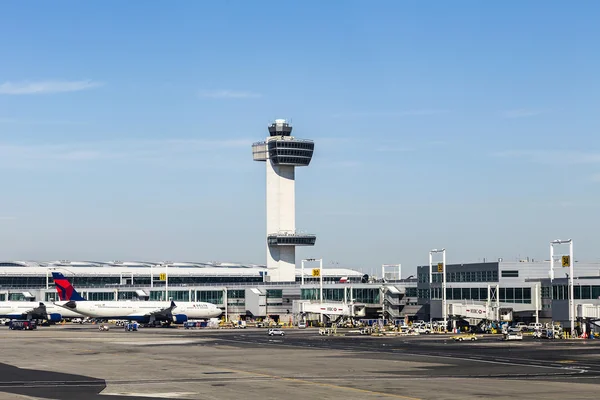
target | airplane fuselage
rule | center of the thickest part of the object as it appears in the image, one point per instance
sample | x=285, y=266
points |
x=142, y=310
x=31, y=310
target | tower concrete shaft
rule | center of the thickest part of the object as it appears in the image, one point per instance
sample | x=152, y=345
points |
x=282, y=154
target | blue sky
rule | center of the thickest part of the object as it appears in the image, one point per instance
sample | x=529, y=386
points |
x=125, y=128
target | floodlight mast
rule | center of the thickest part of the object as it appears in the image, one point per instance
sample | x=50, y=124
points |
x=571, y=284
x=444, y=311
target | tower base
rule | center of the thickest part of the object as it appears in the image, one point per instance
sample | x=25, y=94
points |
x=281, y=264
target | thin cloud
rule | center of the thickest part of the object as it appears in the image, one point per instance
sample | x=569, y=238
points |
x=341, y=164
x=395, y=149
x=169, y=150
x=228, y=94
x=551, y=156
x=595, y=178
x=388, y=114
x=16, y=121
x=45, y=87
x=521, y=113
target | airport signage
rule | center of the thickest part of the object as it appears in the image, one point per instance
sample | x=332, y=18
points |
x=316, y=272
x=440, y=267
x=566, y=261
x=162, y=277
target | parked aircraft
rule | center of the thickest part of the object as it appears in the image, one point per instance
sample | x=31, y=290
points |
x=140, y=311
x=35, y=310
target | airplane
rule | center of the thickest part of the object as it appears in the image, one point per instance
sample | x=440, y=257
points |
x=139, y=311
x=35, y=310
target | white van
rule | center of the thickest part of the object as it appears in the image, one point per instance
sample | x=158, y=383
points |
x=535, y=326
x=301, y=325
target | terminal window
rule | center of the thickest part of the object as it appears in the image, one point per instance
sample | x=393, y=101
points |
x=236, y=294
x=510, y=274
x=274, y=293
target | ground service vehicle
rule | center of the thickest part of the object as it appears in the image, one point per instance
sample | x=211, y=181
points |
x=22, y=325
x=511, y=335
x=460, y=338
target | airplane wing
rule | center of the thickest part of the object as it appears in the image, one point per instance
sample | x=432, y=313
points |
x=38, y=311
x=158, y=312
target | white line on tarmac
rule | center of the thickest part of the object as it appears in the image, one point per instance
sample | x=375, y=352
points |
x=511, y=363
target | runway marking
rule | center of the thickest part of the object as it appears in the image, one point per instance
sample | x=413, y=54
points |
x=329, y=385
x=357, y=349
x=168, y=395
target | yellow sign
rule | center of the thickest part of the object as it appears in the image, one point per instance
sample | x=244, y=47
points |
x=316, y=272
x=440, y=267
x=163, y=277
x=566, y=261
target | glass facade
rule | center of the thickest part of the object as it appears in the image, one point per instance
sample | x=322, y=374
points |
x=292, y=152
x=472, y=276
x=275, y=293
x=127, y=295
x=175, y=295
x=210, y=296
x=101, y=296
x=16, y=297
x=411, y=292
x=236, y=294
x=367, y=295
x=460, y=276
x=300, y=240
x=91, y=281
x=423, y=277
x=545, y=292
x=581, y=292
x=507, y=295
x=26, y=282
x=52, y=296
x=198, y=280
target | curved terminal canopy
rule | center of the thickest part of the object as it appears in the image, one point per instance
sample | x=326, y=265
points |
x=280, y=128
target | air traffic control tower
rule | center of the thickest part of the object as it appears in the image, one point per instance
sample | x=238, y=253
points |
x=283, y=153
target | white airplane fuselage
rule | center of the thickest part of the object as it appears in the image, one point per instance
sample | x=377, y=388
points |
x=16, y=309
x=141, y=310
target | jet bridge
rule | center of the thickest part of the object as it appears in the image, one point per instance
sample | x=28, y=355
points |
x=588, y=311
x=332, y=310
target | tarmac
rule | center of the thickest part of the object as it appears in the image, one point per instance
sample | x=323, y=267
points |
x=79, y=362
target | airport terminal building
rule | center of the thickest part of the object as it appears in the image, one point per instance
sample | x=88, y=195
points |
x=522, y=288
x=240, y=290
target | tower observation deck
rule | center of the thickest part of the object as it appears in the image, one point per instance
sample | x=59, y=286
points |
x=282, y=153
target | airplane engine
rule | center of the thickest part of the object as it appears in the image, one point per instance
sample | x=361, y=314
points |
x=54, y=317
x=180, y=318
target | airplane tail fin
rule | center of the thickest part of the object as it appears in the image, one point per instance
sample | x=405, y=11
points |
x=66, y=291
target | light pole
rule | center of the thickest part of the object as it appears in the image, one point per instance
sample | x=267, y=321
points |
x=302, y=268
x=566, y=262
x=320, y=260
x=167, y=281
x=321, y=276
x=443, y=271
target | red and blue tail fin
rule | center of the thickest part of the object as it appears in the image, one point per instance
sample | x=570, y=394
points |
x=66, y=291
